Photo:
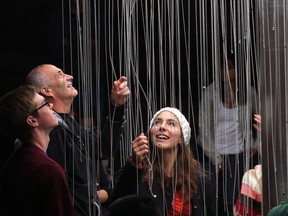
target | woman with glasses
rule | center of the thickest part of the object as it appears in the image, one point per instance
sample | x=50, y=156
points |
x=31, y=182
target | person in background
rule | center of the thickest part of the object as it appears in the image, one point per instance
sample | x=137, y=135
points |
x=163, y=168
x=31, y=182
x=73, y=147
x=226, y=133
x=250, y=198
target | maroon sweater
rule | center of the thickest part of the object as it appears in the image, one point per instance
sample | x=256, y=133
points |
x=33, y=184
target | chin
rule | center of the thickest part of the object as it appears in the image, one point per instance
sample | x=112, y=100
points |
x=162, y=145
x=75, y=92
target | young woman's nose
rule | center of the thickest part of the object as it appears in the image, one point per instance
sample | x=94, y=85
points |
x=162, y=126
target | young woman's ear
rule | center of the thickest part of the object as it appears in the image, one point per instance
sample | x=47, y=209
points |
x=32, y=121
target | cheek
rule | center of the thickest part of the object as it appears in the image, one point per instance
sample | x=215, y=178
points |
x=153, y=131
x=176, y=135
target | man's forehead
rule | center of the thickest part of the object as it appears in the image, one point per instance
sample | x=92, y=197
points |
x=49, y=69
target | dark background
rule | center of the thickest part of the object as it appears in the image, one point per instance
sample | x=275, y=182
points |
x=23, y=39
x=32, y=33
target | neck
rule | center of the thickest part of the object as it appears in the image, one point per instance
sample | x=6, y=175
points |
x=169, y=157
x=40, y=139
x=62, y=106
x=229, y=94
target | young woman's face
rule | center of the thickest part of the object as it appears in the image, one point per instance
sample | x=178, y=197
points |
x=166, y=131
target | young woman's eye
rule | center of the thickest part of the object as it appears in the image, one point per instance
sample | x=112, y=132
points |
x=156, y=122
x=172, y=124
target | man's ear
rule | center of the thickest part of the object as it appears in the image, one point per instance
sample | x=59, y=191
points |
x=45, y=91
x=32, y=121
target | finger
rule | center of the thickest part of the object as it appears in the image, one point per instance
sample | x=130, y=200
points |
x=138, y=139
x=115, y=86
x=257, y=127
x=123, y=84
x=257, y=119
x=125, y=92
x=122, y=79
x=144, y=147
x=122, y=89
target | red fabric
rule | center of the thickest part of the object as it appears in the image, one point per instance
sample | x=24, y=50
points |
x=242, y=209
x=250, y=197
x=34, y=184
x=180, y=206
x=248, y=191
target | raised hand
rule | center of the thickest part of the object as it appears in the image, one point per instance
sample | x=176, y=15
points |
x=120, y=92
x=257, y=126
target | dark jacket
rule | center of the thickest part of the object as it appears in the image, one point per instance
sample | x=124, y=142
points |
x=130, y=182
x=77, y=151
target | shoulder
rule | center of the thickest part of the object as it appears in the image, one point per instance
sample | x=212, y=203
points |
x=209, y=89
x=281, y=209
x=50, y=176
x=49, y=167
x=209, y=92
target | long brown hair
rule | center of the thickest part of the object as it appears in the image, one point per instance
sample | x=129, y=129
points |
x=186, y=170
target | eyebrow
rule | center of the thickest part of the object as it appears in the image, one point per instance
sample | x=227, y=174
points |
x=171, y=120
x=60, y=72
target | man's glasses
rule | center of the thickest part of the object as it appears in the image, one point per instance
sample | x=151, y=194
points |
x=45, y=104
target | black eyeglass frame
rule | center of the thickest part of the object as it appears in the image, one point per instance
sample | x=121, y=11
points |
x=47, y=103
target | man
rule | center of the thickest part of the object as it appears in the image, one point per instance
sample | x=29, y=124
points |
x=73, y=147
x=31, y=183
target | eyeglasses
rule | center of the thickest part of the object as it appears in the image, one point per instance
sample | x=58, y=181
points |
x=45, y=104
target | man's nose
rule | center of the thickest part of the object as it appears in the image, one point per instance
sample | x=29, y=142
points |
x=69, y=77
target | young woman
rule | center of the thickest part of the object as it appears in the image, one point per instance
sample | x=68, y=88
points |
x=162, y=167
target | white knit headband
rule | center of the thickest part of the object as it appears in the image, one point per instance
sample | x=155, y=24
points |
x=184, y=124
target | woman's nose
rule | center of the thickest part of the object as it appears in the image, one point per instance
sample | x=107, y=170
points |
x=162, y=126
